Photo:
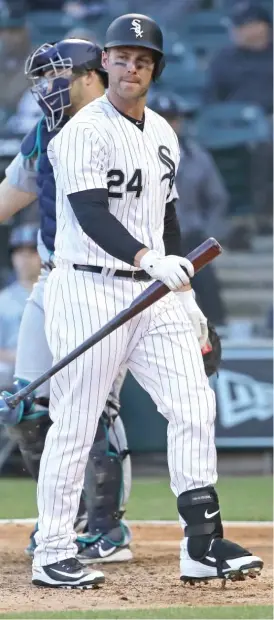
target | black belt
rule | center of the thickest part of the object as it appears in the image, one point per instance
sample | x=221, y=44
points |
x=137, y=276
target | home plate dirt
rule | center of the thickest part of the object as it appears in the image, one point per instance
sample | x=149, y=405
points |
x=150, y=580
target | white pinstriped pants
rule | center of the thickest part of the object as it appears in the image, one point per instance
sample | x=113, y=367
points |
x=162, y=352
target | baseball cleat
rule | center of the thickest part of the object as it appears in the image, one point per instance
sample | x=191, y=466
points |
x=225, y=560
x=107, y=548
x=67, y=574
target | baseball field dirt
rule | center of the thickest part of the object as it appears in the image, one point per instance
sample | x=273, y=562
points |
x=150, y=580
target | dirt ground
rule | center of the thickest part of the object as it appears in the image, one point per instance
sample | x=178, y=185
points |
x=150, y=580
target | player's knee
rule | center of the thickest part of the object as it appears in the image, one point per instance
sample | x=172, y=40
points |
x=201, y=511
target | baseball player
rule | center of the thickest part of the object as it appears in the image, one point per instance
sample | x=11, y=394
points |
x=114, y=164
x=78, y=70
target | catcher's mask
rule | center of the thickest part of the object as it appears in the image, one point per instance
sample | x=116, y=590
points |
x=52, y=68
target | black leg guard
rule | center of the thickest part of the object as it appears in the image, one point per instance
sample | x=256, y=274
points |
x=201, y=511
x=103, y=484
x=30, y=435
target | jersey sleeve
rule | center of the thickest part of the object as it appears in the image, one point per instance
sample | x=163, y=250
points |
x=22, y=175
x=80, y=155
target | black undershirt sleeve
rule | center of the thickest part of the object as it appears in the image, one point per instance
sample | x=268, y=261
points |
x=92, y=212
x=172, y=233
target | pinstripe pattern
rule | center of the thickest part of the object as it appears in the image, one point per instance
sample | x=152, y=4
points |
x=94, y=141
x=166, y=361
x=159, y=346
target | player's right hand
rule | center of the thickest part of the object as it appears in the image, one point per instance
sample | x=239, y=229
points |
x=173, y=271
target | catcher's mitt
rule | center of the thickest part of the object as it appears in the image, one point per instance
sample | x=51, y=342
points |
x=212, y=352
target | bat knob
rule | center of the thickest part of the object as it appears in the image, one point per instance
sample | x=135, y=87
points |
x=10, y=416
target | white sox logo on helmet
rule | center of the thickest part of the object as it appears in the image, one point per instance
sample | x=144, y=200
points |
x=137, y=27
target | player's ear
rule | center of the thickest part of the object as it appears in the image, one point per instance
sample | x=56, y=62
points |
x=105, y=60
x=89, y=77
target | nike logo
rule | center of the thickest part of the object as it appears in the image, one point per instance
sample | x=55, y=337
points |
x=74, y=576
x=208, y=515
x=104, y=554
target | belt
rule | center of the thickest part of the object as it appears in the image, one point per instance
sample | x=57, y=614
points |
x=137, y=276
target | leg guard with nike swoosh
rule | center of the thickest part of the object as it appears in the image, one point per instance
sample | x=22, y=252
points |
x=201, y=512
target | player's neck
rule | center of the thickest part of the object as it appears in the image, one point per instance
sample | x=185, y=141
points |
x=133, y=108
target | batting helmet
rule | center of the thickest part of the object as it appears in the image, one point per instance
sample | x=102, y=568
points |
x=135, y=30
x=53, y=92
x=23, y=236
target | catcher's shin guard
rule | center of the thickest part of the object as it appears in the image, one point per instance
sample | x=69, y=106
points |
x=104, y=481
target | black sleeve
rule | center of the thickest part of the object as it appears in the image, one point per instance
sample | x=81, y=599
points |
x=172, y=233
x=91, y=209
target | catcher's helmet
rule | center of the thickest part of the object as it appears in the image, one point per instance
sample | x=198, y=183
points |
x=135, y=30
x=23, y=236
x=53, y=93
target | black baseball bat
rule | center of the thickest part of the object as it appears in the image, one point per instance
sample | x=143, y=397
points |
x=201, y=256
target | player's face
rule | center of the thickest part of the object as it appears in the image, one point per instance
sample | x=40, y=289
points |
x=83, y=89
x=51, y=75
x=129, y=70
x=48, y=82
x=26, y=263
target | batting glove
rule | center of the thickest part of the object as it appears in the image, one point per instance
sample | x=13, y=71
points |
x=198, y=319
x=169, y=269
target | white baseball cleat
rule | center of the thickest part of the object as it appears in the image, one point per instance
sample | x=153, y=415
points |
x=224, y=560
x=68, y=574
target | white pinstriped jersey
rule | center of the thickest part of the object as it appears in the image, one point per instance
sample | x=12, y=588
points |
x=101, y=148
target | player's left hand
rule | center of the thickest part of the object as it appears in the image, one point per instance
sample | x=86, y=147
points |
x=198, y=319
